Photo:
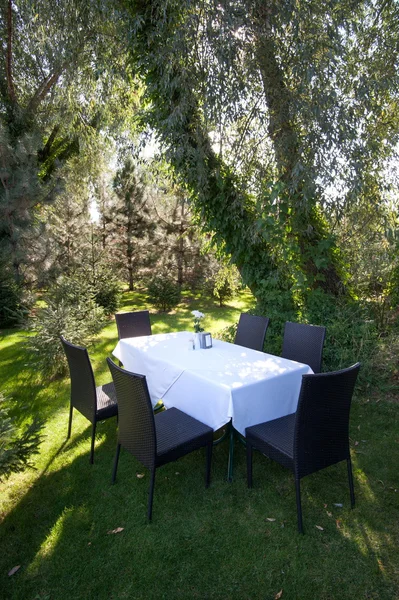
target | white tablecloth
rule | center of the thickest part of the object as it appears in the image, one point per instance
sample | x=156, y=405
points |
x=214, y=385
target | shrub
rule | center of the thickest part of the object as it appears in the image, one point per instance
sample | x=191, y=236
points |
x=71, y=312
x=163, y=293
x=227, y=334
x=17, y=445
x=13, y=305
x=107, y=291
x=103, y=287
x=351, y=332
x=223, y=285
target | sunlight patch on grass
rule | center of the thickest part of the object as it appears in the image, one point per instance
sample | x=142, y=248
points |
x=371, y=543
x=362, y=480
x=50, y=542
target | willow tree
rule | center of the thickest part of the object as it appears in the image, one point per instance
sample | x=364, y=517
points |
x=260, y=107
x=60, y=83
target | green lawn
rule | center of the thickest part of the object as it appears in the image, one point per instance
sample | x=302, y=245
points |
x=217, y=543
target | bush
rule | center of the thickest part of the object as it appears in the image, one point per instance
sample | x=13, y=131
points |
x=223, y=285
x=17, y=445
x=103, y=288
x=13, y=310
x=351, y=332
x=107, y=291
x=163, y=293
x=71, y=312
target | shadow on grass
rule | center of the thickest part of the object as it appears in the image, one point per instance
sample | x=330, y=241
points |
x=201, y=544
x=50, y=531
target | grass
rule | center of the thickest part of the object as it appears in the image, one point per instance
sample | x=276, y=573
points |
x=208, y=544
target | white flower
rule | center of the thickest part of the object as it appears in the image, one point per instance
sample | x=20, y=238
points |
x=197, y=314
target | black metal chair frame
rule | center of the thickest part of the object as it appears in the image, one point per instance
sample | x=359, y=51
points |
x=251, y=331
x=154, y=439
x=94, y=403
x=313, y=438
x=304, y=343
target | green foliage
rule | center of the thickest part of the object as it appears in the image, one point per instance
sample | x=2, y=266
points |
x=227, y=334
x=12, y=309
x=107, y=291
x=163, y=293
x=75, y=515
x=224, y=283
x=352, y=332
x=132, y=221
x=72, y=312
x=17, y=444
x=99, y=284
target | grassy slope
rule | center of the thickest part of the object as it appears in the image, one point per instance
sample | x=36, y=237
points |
x=215, y=543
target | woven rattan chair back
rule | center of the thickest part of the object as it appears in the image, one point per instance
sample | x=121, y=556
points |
x=321, y=435
x=136, y=427
x=133, y=324
x=83, y=387
x=304, y=343
x=251, y=331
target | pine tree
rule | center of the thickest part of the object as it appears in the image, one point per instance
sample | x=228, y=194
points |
x=133, y=222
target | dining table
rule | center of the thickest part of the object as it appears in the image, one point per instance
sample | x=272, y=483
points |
x=225, y=385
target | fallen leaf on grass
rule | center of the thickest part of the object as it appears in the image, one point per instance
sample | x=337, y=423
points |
x=117, y=530
x=278, y=595
x=270, y=519
x=381, y=566
x=338, y=522
x=329, y=513
x=320, y=527
x=139, y=475
x=13, y=570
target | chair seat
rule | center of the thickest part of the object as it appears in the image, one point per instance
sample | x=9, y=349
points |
x=106, y=401
x=175, y=429
x=274, y=438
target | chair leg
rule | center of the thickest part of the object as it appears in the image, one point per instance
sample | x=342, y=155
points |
x=114, y=470
x=230, y=465
x=151, y=494
x=298, y=504
x=209, y=449
x=93, y=437
x=350, y=477
x=249, y=464
x=70, y=421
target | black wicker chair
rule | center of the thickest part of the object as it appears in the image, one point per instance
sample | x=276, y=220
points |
x=157, y=439
x=95, y=403
x=304, y=343
x=314, y=437
x=133, y=324
x=251, y=331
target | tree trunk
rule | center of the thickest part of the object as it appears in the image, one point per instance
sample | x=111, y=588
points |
x=223, y=207
x=180, y=250
x=131, y=280
x=129, y=248
x=308, y=225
